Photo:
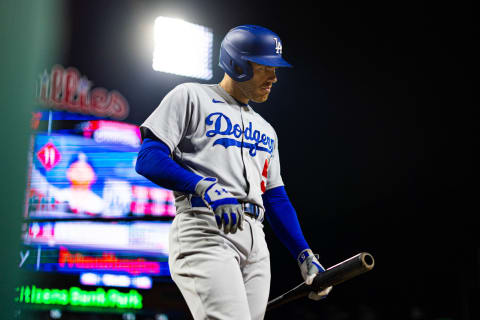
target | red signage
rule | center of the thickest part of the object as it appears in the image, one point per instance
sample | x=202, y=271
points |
x=48, y=156
x=66, y=90
x=107, y=262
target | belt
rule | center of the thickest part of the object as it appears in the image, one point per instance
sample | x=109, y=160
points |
x=249, y=209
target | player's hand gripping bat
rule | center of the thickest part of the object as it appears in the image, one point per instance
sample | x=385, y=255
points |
x=334, y=275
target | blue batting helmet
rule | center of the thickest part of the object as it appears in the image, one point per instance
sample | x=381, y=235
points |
x=250, y=43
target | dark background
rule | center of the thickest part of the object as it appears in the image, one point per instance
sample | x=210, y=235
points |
x=375, y=130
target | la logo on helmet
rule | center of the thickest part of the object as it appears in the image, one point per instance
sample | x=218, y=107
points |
x=278, y=46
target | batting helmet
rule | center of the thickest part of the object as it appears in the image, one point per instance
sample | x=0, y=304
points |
x=250, y=43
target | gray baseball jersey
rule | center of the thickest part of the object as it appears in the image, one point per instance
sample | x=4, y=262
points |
x=213, y=135
x=221, y=276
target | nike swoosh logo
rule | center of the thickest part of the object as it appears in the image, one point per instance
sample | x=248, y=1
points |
x=217, y=101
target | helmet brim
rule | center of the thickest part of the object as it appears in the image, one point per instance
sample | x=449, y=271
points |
x=271, y=61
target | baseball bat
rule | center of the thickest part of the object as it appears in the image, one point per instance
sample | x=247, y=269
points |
x=333, y=276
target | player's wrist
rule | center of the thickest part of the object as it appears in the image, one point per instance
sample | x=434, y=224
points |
x=213, y=194
x=203, y=185
x=303, y=255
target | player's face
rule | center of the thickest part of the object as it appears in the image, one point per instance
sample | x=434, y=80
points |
x=258, y=87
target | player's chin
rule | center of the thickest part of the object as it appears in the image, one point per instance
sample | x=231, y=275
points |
x=260, y=98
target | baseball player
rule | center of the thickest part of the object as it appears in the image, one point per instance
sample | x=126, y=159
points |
x=221, y=159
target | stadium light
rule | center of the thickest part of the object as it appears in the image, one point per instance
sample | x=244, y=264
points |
x=182, y=48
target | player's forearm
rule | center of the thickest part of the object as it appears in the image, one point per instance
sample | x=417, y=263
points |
x=154, y=163
x=283, y=219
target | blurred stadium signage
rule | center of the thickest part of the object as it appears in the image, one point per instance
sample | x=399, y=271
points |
x=104, y=131
x=48, y=156
x=108, y=261
x=75, y=296
x=66, y=89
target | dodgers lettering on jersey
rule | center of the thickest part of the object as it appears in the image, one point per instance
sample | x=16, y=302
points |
x=213, y=135
x=223, y=126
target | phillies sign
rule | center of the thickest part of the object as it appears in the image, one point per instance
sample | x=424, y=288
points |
x=49, y=156
x=67, y=90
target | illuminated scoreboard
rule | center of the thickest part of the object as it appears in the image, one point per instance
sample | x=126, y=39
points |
x=95, y=234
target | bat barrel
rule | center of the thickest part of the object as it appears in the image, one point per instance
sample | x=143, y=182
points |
x=343, y=271
x=334, y=275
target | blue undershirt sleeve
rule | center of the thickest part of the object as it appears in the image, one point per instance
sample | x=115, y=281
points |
x=282, y=217
x=155, y=164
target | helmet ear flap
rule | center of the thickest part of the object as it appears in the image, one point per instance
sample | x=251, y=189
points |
x=243, y=70
x=236, y=67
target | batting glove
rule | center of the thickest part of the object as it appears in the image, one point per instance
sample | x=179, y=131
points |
x=228, y=211
x=310, y=267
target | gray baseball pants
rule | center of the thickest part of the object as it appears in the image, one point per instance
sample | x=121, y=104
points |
x=221, y=276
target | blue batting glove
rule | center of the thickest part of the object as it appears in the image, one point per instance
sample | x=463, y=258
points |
x=228, y=211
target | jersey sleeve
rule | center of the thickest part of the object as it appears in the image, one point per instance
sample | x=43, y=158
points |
x=170, y=120
x=274, y=178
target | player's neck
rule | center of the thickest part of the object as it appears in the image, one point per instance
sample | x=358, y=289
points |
x=228, y=84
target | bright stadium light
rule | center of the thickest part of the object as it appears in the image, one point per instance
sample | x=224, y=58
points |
x=182, y=48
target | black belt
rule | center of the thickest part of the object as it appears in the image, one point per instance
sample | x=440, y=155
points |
x=249, y=209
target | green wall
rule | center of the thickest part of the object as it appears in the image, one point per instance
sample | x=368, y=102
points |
x=31, y=34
